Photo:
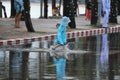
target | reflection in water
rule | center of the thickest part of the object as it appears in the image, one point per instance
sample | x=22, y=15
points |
x=37, y=66
x=18, y=65
x=60, y=63
x=15, y=65
x=104, y=52
x=4, y=62
x=33, y=65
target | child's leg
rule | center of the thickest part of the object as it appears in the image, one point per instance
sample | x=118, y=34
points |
x=64, y=46
x=57, y=45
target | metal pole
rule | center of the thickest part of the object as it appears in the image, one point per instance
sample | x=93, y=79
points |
x=99, y=12
x=41, y=7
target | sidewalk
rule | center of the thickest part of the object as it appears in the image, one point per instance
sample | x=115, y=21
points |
x=41, y=26
x=46, y=27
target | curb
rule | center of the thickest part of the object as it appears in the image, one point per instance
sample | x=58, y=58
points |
x=51, y=37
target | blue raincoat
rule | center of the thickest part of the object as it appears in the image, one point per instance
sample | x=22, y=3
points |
x=61, y=37
x=60, y=67
x=18, y=5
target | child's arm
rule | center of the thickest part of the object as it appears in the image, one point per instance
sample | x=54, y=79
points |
x=57, y=25
x=68, y=29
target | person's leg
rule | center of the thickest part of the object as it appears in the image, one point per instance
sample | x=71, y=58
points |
x=19, y=18
x=107, y=17
x=16, y=21
x=105, y=20
x=52, y=48
x=57, y=45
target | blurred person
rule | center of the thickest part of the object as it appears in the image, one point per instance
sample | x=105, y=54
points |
x=88, y=9
x=104, y=56
x=106, y=12
x=18, y=5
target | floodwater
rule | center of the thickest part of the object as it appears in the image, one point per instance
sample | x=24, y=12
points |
x=91, y=58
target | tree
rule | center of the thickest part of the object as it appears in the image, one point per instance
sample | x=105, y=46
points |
x=45, y=8
x=41, y=8
x=76, y=6
x=13, y=12
x=68, y=10
x=118, y=7
x=94, y=12
x=0, y=9
x=59, y=7
x=113, y=12
x=53, y=4
x=53, y=7
x=27, y=18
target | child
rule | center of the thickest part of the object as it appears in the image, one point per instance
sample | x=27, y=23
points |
x=61, y=37
x=18, y=4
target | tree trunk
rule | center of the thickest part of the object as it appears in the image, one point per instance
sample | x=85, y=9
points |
x=0, y=9
x=68, y=10
x=41, y=9
x=27, y=18
x=113, y=12
x=59, y=7
x=53, y=7
x=76, y=6
x=13, y=12
x=94, y=12
x=53, y=4
x=118, y=7
x=45, y=8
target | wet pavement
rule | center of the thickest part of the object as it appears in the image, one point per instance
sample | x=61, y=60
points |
x=41, y=26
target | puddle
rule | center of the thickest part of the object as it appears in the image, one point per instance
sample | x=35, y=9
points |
x=89, y=58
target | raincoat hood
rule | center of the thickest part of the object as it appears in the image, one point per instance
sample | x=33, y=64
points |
x=65, y=20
